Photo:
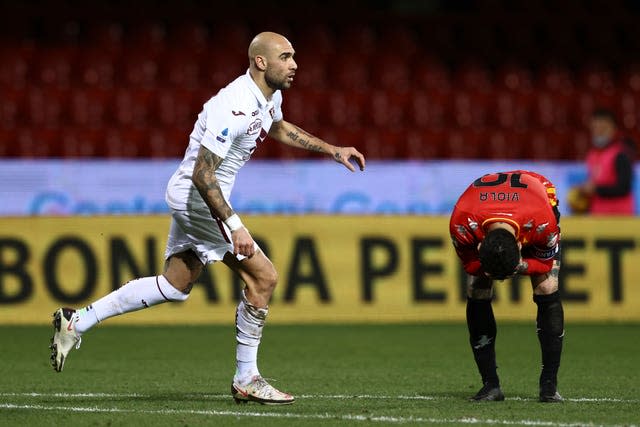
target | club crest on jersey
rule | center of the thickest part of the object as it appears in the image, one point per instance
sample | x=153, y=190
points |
x=552, y=240
x=472, y=224
x=223, y=135
x=272, y=112
x=254, y=127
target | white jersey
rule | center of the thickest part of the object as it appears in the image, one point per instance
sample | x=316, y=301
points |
x=230, y=125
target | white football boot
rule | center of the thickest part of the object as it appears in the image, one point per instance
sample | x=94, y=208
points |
x=259, y=390
x=64, y=337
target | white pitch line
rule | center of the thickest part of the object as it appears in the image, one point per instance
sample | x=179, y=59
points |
x=290, y=415
x=309, y=396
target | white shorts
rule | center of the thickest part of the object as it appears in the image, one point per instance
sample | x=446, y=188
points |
x=209, y=238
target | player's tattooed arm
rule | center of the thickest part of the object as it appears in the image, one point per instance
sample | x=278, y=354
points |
x=304, y=139
x=204, y=179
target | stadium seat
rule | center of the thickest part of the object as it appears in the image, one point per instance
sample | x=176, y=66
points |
x=430, y=109
x=80, y=143
x=36, y=143
x=132, y=107
x=46, y=106
x=470, y=108
x=465, y=144
x=510, y=109
x=15, y=63
x=551, y=108
x=431, y=74
x=549, y=144
x=140, y=69
x=387, y=108
x=97, y=67
x=8, y=141
x=125, y=142
x=166, y=143
x=392, y=74
x=54, y=66
x=506, y=144
x=352, y=72
x=180, y=69
x=346, y=108
x=629, y=109
x=424, y=144
x=12, y=107
x=174, y=107
x=90, y=106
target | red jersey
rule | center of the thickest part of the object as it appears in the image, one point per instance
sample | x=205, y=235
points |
x=523, y=199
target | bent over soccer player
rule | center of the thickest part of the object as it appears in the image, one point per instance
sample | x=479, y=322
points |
x=204, y=228
x=506, y=224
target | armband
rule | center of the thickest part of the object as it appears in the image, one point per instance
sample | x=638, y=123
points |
x=233, y=222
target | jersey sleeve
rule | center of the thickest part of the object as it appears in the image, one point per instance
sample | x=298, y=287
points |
x=221, y=127
x=465, y=244
x=277, y=106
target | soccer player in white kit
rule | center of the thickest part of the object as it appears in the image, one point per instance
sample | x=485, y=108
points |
x=204, y=228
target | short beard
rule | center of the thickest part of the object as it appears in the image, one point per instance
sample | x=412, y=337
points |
x=275, y=85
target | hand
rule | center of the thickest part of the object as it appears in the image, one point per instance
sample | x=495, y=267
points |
x=242, y=242
x=344, y=154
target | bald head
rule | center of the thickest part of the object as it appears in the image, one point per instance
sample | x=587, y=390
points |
x=271, y=62
x=268, y=45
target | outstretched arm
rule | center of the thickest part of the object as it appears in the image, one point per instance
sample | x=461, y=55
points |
x=292, y=135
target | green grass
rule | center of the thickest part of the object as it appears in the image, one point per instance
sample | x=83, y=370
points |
x=341, y=374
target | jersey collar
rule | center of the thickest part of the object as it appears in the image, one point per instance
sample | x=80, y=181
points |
x=253, y=87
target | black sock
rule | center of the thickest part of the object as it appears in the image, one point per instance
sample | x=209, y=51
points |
x=482, y=337
x=550, y=323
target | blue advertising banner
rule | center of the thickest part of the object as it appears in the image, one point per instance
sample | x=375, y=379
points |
x=107, y=187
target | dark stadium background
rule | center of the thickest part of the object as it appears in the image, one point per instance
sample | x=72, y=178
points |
x=475, y=79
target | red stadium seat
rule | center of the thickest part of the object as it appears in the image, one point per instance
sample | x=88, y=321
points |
x=90, y=106
x=140, y=69
x=352, y=71
x=424, y=144
x=470, y=108
x=80, y=143
x=346, y=108
x=8, y=141
x=97, y=67
x=180, y=69
x=629, y=108
x=431, y=74
x=167, y=143
x=15, y=66
x=304, y=107
x=387, y=108
x=513, y=76
x=392, y=74
x=549, y=144
x=430, y=109
x=511, y=109
x=473, y=76
x=46, y=106
x=383, y=144
x=54, y=66
x=148, y=37
x=551, y=109
x=132, y=107
x=506, y=144
x=465, y=144
x=36, y=143
x=12, y=107
x=579, y=145
x=174, y=107
x=125, y=143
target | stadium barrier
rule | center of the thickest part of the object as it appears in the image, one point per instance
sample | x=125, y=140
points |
x=332, y=269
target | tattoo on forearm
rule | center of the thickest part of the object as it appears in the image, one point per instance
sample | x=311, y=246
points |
x=555, y=271
x=304, y=139
x=204, y=178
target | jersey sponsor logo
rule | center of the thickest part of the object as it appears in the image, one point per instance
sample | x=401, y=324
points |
x=238, y=113
x=223, y=135
x=254, y=127
x=552, y=240
x=546, y=253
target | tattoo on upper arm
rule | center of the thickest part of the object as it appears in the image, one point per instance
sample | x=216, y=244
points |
x=205, y=180
x=303, y=138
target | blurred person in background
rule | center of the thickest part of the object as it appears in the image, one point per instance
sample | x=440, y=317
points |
x=204, y=228
x=609, y=187
x=507, y=224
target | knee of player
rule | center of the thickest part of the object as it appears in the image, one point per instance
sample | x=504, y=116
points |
x=268, y=281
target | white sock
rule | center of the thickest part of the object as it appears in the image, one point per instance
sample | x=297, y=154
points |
x=250, y=321
x=132, y=296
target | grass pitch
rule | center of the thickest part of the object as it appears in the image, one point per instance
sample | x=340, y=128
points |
x=342, y=375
